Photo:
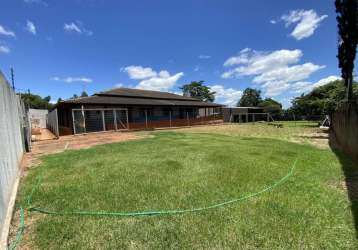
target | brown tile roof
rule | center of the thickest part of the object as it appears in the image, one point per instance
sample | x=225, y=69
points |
x=123, y=96
x=144, y=94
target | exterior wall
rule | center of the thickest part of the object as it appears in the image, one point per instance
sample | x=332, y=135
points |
x=139, y=117
x=345, y=129
x=38, y=118
x=52, y=122
x=65, y=125
x=229, y=113
x=11, y=146
x=241, y=114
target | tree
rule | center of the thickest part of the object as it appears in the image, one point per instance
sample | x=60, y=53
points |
x=271, y=106
x=322, y=100
x=74, y=96
x=198, y=90
x=250, y=98
x=59, y=100
x=36, y=101
x=47, y=98
x=84, y=94
x=347, y=19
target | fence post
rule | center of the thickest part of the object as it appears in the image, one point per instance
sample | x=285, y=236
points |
x=170, y=118
x=73, y=122
x=146, y=119
x=84, y=118
x=115, y=119
x=57, y=127
x=127, y=119
x=187, y=118
x=103, y=121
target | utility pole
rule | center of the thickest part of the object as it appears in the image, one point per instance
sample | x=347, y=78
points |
x=12, y=78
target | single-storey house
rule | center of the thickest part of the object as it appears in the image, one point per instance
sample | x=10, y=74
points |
x=124, y=108
x=244, y=114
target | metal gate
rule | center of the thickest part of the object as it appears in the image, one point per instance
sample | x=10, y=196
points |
x=96, y=120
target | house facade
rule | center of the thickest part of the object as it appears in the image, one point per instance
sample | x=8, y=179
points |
x=128, y=109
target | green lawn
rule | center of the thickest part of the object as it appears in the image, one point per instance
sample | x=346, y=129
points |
x=180, y=170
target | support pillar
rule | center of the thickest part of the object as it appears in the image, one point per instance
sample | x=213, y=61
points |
x=170, y=118
x=84, y=119
x=103, y=121
x=115, y=119
x=146, y=119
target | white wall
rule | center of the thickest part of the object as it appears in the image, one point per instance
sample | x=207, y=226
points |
x=38, y=118
x=11, y=143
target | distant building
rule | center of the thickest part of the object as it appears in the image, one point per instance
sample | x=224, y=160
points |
x=244, y=114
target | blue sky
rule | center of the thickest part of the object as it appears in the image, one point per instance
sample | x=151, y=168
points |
x=281, y=47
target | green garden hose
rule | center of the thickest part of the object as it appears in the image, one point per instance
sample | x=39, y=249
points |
x=140, y=213
x=20, y=230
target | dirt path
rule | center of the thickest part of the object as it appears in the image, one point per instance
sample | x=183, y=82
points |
x=40, y=148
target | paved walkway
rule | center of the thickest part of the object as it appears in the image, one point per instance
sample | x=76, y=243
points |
x=42, y=134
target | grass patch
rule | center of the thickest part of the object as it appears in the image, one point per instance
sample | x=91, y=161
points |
x=188, y=170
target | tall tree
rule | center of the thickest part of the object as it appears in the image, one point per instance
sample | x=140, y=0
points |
x=198, y=90
x=271, y=106
x=36, y=101
x=323, y=100
x=84, y=94
x=250, y=98
x=347, y=19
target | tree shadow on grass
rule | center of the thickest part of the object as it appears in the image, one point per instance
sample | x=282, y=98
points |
x=350, y=170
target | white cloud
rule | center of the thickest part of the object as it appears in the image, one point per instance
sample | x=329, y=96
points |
x=72, y=27
x=307, y=22
x=5, y=32
x=243, y=57
x=152, y=80
x=286, y=101
x=204, y=57
x=227, y=96
x=259, y=62
x=77, y=27
x=163, y=82
x=30, y=27
x=72, y=79
x=326, y=80
x=273, y=21
x=118, y=85
x=275, y=88
x=275, y=71
x=196, y=68
x=139, y=72
x=4, y=49
x=288, y=74
x=305, y=87
x=177, y=92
